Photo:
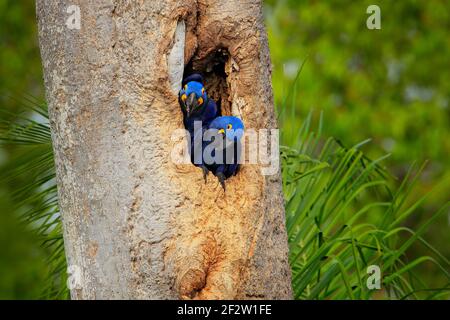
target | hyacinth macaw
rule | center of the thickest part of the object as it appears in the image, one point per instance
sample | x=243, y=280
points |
x=230, y=130
x=196, y=106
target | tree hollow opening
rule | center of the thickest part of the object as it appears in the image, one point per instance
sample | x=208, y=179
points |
x=213, y=70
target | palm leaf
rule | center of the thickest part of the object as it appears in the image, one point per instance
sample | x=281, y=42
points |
x=31, y=174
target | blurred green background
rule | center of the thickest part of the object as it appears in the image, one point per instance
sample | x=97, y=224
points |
x=22, y=260
x=391, y=85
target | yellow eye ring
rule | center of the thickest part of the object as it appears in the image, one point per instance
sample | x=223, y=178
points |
x=200, y=101
x=229, y=126
x=185, y=87
x=203, y=90
x=184, y=97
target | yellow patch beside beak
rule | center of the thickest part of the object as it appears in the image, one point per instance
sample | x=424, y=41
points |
x=222, y=131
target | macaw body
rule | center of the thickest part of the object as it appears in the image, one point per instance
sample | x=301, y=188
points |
x=205, y=116
x=225, y=147
x=195, y=103
x=196, y=107
x=231, y=130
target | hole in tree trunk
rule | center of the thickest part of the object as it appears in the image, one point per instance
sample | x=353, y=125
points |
x=212, y=68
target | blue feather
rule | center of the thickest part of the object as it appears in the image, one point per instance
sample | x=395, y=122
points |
x=196, y=106
x=232, y=129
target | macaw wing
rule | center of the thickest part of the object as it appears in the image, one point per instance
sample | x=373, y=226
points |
x=211, y=112
x=233, y=165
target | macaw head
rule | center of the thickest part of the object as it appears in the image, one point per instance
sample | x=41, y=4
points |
x=230, y=127
x=193, y=94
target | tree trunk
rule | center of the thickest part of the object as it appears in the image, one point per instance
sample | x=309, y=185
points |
x=137, y=225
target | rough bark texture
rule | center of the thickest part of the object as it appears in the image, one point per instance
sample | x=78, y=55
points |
x=138, y=225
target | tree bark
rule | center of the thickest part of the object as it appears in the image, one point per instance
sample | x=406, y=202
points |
x=136, y=224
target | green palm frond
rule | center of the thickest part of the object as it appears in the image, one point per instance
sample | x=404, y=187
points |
x=342, y=216
x=337, y=228
x=31, y=175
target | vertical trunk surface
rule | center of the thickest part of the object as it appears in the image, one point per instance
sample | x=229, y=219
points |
x=136, y=224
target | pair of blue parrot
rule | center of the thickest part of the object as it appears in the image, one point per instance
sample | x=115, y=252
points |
x=197, y=106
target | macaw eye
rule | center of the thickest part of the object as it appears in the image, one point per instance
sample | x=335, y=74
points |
x=200, y=101
x=229, y=126
x=184, y=97
x=185, y=87
x=203, y=90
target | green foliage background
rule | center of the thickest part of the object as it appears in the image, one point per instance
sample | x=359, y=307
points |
x=389, y=85
x=22, y=260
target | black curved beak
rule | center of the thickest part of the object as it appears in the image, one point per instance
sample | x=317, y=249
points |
x=191, y=103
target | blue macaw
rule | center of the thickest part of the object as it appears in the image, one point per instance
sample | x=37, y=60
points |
x=196, y=106
x=231, y=129
x=195, y=103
